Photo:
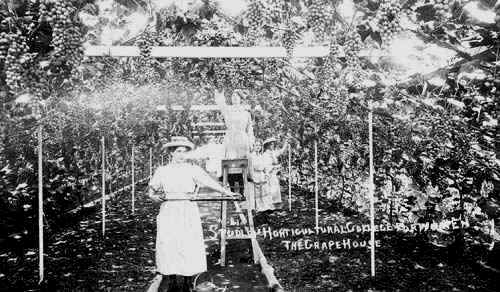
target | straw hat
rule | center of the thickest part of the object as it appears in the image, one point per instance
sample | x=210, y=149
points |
x=178, y=141
x=269, y=140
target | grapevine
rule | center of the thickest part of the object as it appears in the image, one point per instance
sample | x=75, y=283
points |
x=66, y=34
x=16, y=58
x=331, y=67
x=318, y=18
x=338, y=100
x=256, y=17
x=271, y=69
x=289, y=40
x=442, y=8
x=274, y=10
x=145, y=43
x=387, y=20
x=4, y=45
x=352, y=47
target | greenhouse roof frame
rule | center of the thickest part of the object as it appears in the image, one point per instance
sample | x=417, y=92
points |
x=207, y=52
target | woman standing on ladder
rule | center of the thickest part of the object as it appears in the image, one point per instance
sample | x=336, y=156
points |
x=271, y=169
x=180, y=249
x=239, y=136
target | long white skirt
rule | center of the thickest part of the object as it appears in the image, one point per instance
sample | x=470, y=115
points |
x=274, y=189
x=263, y=199
x=180, y=249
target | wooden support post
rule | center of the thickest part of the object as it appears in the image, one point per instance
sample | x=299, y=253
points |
x=103, y=187
x=133, y=179
x=150, y=162
x=289, y=178
x=224, y=222
x=251, y=231
x=40, y=206
x=316, y=199
x=371, y=191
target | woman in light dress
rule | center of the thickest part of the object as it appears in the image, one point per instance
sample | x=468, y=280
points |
x=263, y=198
x=271, y=169
x=239, y=134
x=180, y=249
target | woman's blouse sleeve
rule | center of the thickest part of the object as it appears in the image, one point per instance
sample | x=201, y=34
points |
x=202, y=178
x=250, y=131
x=220, y=100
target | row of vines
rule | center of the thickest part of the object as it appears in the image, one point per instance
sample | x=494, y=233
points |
x=434, y=133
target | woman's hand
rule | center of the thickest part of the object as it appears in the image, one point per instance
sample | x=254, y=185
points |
x=156, y=198
x=155, y=195
x=231, y=194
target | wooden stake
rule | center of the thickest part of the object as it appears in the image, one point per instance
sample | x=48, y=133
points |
x=150, y=162
x=223, y=222
x=40, y=206
x=316, y=199
x=103, y=187
x=371, y=191
x=289, y=178
x=133, y=180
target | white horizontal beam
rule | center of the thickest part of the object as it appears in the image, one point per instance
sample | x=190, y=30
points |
x=207, y=52
x=209, y=124
x=203, y=107
x=210, y=132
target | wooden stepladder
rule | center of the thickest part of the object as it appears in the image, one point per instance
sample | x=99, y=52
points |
x=237, y=166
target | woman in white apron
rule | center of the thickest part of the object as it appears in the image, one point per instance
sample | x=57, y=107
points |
x=180, y=249
x=271, y=168
x=263, y=199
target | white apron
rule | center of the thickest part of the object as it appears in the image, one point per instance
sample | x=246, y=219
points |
x=263, y=198
x=180, y=249
x=272, y=187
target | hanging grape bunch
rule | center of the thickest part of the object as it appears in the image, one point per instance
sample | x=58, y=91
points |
x=15, y=59
x=66, y=35
x=331, y=67
x=338, y=100
x=223, y=75
x=352, y=47
x=240, y=72
x=4, y=45
x=256, y=18
x=442, y=8
x=289, y=39
x=32, y=10
x=234, y=79
x=387, y=20
x=145, y=42
x=275, y=10
x=271, y=69
x=318, y=18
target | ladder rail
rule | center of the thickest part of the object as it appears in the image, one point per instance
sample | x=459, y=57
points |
x=226, y=169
